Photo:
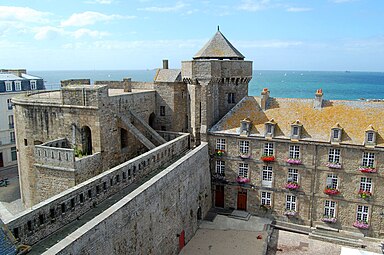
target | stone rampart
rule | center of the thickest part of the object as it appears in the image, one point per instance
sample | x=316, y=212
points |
x=48, y=216
x=156, y=218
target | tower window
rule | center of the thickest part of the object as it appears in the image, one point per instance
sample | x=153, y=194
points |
x=162, y=110
x=231, y=98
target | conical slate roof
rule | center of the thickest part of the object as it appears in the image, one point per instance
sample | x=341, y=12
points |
x=218, y=48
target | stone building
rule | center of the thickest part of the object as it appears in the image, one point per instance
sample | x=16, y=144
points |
x=307, y=162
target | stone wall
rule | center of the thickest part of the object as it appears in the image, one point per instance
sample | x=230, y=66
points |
x=151, y=219
x=45, y=218
x=313, y=174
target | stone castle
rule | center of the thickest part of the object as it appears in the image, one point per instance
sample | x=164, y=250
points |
x=305, y=163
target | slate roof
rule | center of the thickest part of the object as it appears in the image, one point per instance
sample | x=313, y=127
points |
x=12, y=77
x=355, y=117
x=218, y=48
x=168, y=75
x=6, y=244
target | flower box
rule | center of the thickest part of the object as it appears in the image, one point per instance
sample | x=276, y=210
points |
x=367, y=169
x=365, y=194
x=219, y=152
x=268, y=158
x=333, y=165
x=240, y=179
x=245, y=155
x=265, y=207
x=329, y=219
x=361, y=224
x=290, y=213
x=331, y=191
x=293, y=161
x=219, y=178
x=292, y=186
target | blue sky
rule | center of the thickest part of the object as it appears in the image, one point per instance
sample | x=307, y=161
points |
x=121, y=34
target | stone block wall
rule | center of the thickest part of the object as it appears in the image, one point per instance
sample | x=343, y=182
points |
x=151, y=219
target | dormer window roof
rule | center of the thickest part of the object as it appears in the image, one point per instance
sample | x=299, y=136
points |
x=270, y=128
x=245, y=127
x=296, y=129
x=370, y=136
x=336, y=132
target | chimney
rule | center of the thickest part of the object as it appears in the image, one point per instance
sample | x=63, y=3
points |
x=165, y=63
x=127, y=82
x=264, y=99
x=318, y=103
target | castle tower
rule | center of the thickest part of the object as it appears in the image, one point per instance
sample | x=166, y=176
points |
x=217, y=79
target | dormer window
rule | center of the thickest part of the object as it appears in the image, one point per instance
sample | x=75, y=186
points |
x=270, y=128
x=370, y=136
x=296, y=130
x=245, y=127
x=336, y=132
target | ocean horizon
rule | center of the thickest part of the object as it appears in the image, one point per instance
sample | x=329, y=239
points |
x=336, y=85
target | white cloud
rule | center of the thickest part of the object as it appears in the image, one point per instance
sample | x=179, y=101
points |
x=90, y=18
x=22, y=14
x=87, y=32
x=298, y=9
x=267, y=44
x=178, y=6
x=254, y=5
x=49, y=32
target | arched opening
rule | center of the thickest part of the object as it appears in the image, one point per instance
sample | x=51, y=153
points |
x=151, y=120
x=86, y=140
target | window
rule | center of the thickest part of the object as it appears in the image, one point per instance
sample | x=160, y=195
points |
x=266, y=177
x=10, y=122
x=293, y=175
x=244, y=147
x=362, y=213
x=334, y=155
x=243, y=170
x=13, y=153
x=12, y=137
x=332, y=181
x=368, y=159
x=33, y=85
x=370, y=137
x=295, y=131
x=8, y=86
x=17, y=85
x=9, y=103
x=231, y=98
x=294, y=151
x=336, y=133
x=366, y=184
x=290, y=203
x=268, y=149
x=330, y=209
x=266, y=198
x=220, y=144
x=162, y=110
x=269, y=128
x=220, y=167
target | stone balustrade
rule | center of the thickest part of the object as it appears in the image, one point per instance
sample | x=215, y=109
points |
x=45, y=218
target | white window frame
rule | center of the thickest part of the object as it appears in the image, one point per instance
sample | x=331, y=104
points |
x=293, y=175
x=11, y=122
x=332, y=181
x=220, y=144
x=294, y=151
x=295, y=131
x=9, y=104
x=336, y=134
x=266, y=198
x=269, y=129
x=243, y=170
x=334, y=155
x=8, y=85
x=33, y=84
x=220, y=167
x=362, y=213
x=368, y=159
x=330, y=208
x=268, y=149
x=370, y=137
x=366, y=184
x=12, y=137
x=290, y=203
x=266, y=176
x=17, y=85
x=244, y=147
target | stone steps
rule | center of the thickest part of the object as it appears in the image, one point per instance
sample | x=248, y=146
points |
x=334, y=235
x=241, y=215
x=291, y=227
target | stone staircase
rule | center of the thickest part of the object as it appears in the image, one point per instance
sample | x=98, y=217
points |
x=136, y=132
x=241, y=215
x=341, y=237
x=302, y=229
x=154, y=135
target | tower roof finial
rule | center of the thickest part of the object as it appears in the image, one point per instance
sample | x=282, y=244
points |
x=218, y=28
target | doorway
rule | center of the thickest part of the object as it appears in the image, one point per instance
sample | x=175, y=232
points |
x=242, y=200
x=219, y=196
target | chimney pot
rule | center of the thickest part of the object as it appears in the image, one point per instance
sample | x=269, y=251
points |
x=165, y=63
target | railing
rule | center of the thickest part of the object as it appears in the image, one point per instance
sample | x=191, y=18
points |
x=45, y=218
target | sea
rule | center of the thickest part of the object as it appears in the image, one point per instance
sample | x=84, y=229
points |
x=343, y=85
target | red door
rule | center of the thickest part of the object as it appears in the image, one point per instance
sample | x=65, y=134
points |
x=219, y=196
x=181, y=240
x=242, y=200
